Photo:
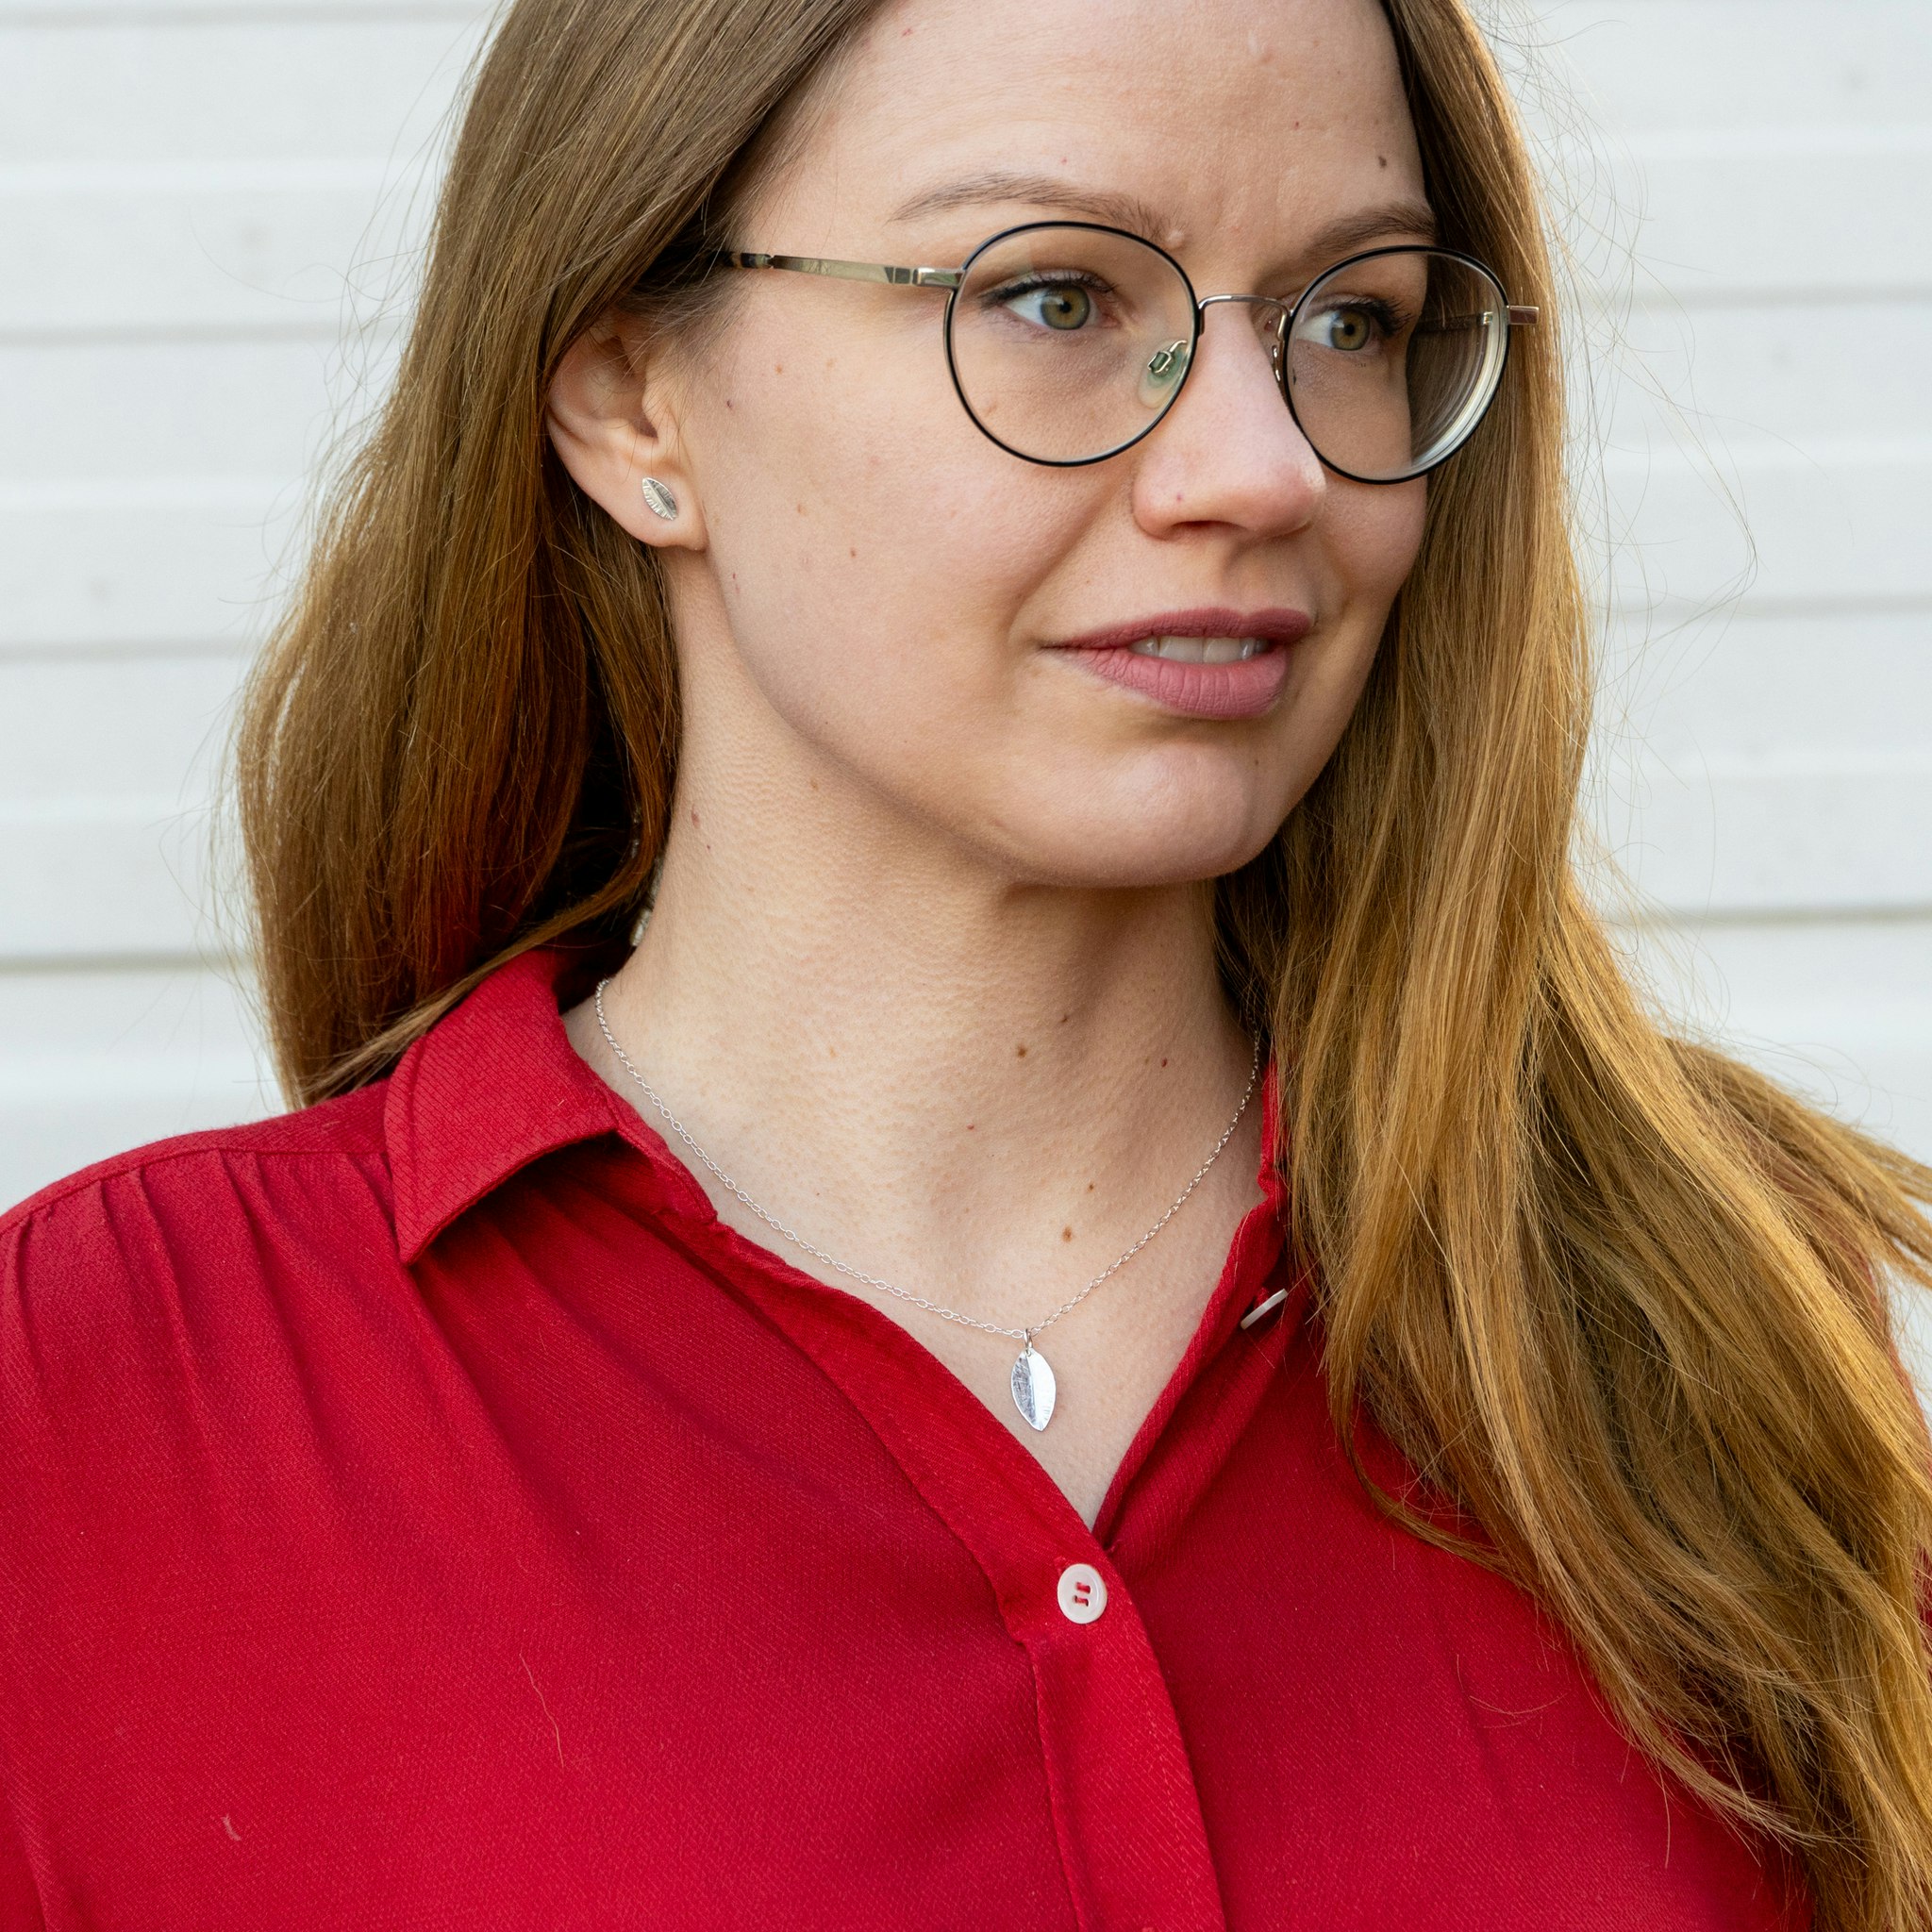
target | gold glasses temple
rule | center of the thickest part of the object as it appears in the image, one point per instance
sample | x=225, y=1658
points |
x=848, y=271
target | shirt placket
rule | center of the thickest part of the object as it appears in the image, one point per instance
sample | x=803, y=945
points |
x=1127, y=1812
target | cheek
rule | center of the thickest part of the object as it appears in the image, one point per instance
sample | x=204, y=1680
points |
x=1370, y=539
x=1373, y=537
x=868, y=543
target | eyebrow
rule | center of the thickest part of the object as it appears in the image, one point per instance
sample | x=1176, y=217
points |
x=998, y=184
x=1338, y=238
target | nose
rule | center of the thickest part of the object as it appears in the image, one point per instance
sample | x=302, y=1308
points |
x=1229, y=450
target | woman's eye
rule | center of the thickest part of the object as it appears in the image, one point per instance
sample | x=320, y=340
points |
x=1061, y=306
x=1348, y=330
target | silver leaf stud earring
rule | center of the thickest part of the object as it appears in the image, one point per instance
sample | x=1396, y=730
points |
x=661, y=501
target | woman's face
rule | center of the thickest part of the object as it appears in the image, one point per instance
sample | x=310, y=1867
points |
x=893, y=592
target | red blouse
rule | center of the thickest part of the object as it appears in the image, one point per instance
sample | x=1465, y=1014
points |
x=420, y=1510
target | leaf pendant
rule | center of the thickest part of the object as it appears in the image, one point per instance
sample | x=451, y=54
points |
x=1034, y=1388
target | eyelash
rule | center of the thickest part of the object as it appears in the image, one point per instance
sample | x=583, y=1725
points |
x=1389, y=321
x=1028, y=285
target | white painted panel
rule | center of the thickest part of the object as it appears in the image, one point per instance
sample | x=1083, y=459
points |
x=82, y=16
x=209, y=89
x=1840, y=1012
x=92, y=1062
x=184, y=564
x=1641, y=65
x=1832, y=684
x=140, y=729
x=1842, y=1009
x=107, y=774
x=1772, y=524
x=1804, y=373
x=106, y=878
x=117, y=410
x=70, y=15
x=1776, y=212
x=254, y=247
x=1713, y=835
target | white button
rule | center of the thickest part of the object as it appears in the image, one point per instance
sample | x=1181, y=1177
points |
x=1083, y=1593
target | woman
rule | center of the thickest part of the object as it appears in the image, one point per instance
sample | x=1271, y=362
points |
x=1113, y=1318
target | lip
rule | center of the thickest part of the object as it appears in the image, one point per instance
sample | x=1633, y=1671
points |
x=1242, y=690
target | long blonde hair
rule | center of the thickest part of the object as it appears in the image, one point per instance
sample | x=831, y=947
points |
x=1623, y=1303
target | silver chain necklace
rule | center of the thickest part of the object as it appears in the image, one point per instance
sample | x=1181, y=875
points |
x=1035, y=1388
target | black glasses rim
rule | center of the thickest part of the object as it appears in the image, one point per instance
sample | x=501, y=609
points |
x=1289, y=310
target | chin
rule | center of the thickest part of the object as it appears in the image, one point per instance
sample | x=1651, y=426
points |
x=1135, y=851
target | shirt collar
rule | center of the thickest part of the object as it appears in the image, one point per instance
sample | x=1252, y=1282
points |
x=495, y=1084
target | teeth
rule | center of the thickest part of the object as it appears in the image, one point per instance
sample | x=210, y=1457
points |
x=1199, y=650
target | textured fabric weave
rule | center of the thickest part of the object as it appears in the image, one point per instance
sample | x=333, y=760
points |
x=422, y=1511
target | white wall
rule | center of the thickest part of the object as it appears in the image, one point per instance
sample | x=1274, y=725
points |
x=186, y=189
x=183, y=191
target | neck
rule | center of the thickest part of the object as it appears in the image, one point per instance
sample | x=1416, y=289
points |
x=937, y=1070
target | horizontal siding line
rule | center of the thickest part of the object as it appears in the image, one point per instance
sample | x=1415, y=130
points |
x=127, y=811
x=243, y=13
x=112, y=651
x=139, y=180
x=192, y=335
x=1773, y=918
x=1602, y=298
x=1790, y=765
x=1853, y=604
x=24, y=965
x=1750, y=450
x=211, y=1078
x=1818, y=139
x=251, y=497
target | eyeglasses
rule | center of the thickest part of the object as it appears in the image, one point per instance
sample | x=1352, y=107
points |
x=1068, y=342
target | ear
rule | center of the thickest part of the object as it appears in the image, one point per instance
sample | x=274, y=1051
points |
x=612, y=426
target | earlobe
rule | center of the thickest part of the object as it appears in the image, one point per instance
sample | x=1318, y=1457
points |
x=617, y=440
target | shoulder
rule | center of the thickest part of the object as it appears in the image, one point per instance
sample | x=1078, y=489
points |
x=181, y=1200
x=174, y=1289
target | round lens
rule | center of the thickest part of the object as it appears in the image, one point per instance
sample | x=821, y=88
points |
x=1393, y=358
x=1069, y=342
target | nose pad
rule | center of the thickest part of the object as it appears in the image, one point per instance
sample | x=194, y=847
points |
x=1162, y=372
x=1270, y=323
